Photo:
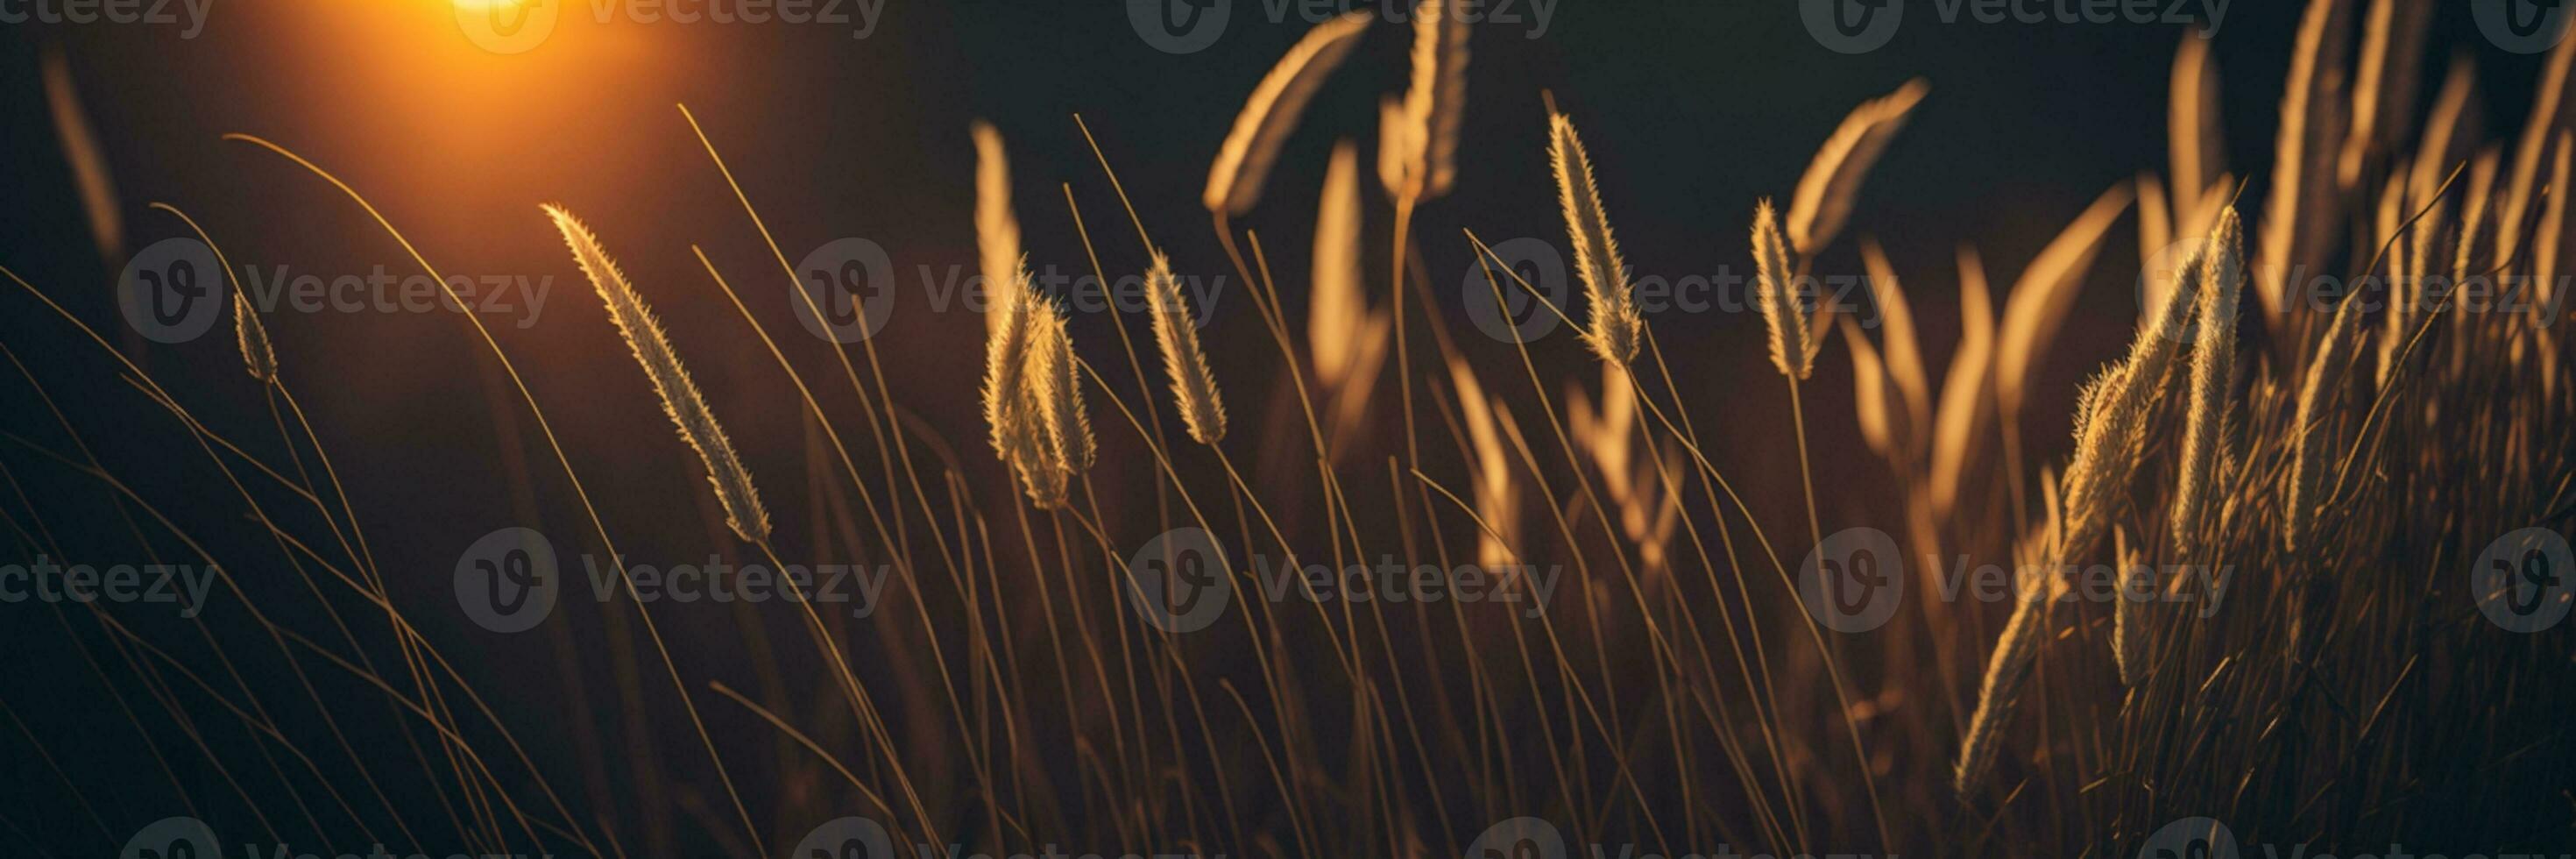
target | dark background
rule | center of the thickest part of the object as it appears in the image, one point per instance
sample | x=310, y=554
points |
x=1691, y=112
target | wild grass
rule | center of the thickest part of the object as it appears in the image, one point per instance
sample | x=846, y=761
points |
x=2341, y=459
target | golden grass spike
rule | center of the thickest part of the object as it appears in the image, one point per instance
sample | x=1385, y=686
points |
x=1903, y=352
x=1784, y=311
x=997, y=230
x=1435, y=104
x=1616, y=326
x=88, y=161
x=2203, y=214
x=1871, y=394
x=1243, y=162
x=257, y=354
x=2314, y=443
x=2110, y=439
x=1967, y=389
x=1338, y=310
x=1006, y=350
x=2392, y=55
x=2300, y=213
x=1497, y=501
x=2157, y=216
x=2213, y=372
x=1177, y=334
x=2407, y=299
x=2549, y=113
x=680, y=398
x=2113, y=416
x=2128, y=621
x=2386, y=222
x=1833, y=180
x=2199, y=151
x=2000, y=691
x=1057, y=443
x=1614, y=442
x=1395, y=145
x=1068, y=422
x=2450, y=131
x=2044, y=293
x=2549, y=258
